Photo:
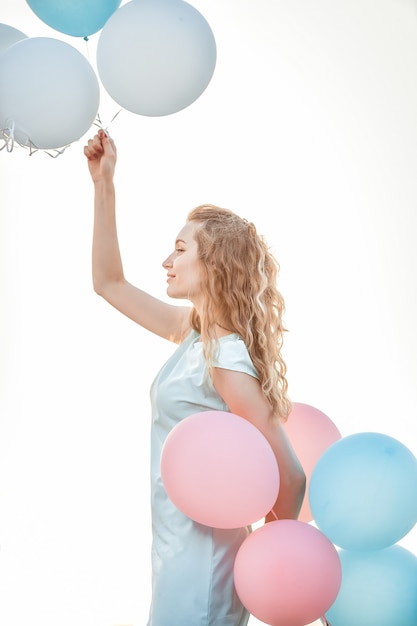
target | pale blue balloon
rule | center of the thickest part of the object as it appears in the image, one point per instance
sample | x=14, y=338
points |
x=8, y=36
x=156, y=57
x=78, y=18
x=363, y=491
x=64, y=93
x=379, y=588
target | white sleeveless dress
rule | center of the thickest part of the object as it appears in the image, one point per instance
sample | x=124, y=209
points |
x=192, y=564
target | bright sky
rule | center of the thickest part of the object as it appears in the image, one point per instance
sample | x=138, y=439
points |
x=308, y=128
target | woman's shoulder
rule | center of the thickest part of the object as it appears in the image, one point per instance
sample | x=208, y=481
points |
x=233, y=354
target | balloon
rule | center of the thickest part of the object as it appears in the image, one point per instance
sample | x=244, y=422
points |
x=49, y=93
x=9, y=36
x=363, y=491
x=310, y=432
x=156, y=57
x=287, y=573
x=379, y=588
x=219, y=470
x=78, y=18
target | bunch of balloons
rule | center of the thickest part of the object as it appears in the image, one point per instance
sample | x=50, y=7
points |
x=363, y=496
x=154, y=58
x=220, y=470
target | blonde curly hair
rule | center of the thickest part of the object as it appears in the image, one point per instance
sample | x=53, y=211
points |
x=239, y=288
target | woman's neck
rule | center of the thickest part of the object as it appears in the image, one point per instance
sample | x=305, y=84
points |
x=222, y=331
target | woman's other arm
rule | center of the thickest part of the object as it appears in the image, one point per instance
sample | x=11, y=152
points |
x=243, y=395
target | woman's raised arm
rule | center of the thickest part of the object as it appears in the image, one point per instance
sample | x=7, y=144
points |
x=165, y=320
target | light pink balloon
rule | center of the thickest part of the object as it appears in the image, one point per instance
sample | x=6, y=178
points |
x=287, y=573
x=310, y=432
x=219, y=470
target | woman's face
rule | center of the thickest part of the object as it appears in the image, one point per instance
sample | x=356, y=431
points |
x=184, y=267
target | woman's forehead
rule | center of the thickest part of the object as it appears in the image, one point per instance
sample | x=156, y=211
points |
x=187, y=232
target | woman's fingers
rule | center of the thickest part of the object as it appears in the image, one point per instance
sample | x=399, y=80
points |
x=93, y=148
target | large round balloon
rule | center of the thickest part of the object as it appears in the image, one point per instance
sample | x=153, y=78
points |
x=379, y=588
x=9, y=36
x=287, y=573
x=156, y=57
x=310, y=432
x=363, y=491
x=78, y=18
x=49, y=93
x=219, y=470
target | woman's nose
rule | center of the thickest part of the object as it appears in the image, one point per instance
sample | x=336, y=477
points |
x=167, y=262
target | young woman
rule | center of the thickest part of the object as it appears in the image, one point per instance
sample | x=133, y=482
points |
x=228, y=359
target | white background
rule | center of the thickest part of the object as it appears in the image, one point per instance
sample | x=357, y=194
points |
x=308, y=128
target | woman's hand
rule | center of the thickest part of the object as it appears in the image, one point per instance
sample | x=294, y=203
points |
x=101, y=154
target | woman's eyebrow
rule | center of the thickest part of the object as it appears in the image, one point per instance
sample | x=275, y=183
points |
x=180, y=241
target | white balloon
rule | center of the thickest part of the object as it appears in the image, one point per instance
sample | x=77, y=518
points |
x=156, y=57
x=49, y=93
x=8, y=36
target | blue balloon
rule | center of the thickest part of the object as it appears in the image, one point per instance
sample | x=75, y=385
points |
x=363, y=491
x=78, y=18
x=379, y=588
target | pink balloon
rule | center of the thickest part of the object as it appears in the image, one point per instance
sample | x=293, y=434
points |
x=219, y=470
x=310, y=432
x=287, y=573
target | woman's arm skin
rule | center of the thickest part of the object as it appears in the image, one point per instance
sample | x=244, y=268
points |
x=165, y=320
x=244, y=397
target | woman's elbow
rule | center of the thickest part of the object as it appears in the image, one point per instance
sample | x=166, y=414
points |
x=296, y=485
x=105, y=287
x=300, y=486
x=290, y=496
x=301, y=478
x=296, y=481
x=301, y=483
x=98, y=286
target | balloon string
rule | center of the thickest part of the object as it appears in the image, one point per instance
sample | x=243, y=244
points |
x=274, y=514
x=56, y=153
x=99, y=123
x=87, y=47
x=7, y=135
x=9, y=140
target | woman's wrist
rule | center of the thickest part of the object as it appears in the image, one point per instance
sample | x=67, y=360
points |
x=103, y=184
